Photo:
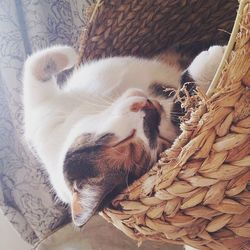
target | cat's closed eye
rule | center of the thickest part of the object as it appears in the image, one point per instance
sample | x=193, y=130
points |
x=103, y=167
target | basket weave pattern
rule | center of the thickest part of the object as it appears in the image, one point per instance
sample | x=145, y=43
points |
x=143, y=28
x=198, y=192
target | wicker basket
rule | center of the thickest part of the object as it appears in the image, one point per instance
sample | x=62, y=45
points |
x=146, y=27
x=198, y=192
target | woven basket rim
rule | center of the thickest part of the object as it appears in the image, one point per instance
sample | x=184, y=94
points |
x=229, y=48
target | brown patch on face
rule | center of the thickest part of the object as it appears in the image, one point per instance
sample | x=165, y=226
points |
x=90, y=161
x=104, y=169
x=129, y=157
x=82, y=157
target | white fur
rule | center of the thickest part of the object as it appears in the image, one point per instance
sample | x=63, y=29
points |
x=204, y=66
x=96, y=99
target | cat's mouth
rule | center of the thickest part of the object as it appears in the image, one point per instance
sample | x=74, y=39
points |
x=151, y=123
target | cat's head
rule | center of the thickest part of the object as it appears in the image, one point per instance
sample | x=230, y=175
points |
x=112, y=149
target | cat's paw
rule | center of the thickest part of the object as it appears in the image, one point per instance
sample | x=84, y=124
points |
x=205, y=65
x=69, y=53
x=50, y=61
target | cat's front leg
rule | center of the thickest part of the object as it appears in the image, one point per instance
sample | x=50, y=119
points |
x=204, y=66
x=44, y=103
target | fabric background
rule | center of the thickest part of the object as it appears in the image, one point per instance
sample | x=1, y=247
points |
x=25, y=26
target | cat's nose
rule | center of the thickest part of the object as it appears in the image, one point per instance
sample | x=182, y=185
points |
x=142, y=104
x=146, y=105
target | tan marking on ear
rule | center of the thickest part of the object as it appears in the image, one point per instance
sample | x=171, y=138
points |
x=76, y=208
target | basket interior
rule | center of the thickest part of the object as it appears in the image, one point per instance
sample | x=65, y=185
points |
x=145, y=28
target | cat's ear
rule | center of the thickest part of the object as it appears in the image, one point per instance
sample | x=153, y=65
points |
x=86, y=202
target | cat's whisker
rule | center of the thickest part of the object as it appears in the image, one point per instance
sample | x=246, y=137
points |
x=93, y=99
x=105, y=99
x=91, y=103
x=117, y=94
x=109, y=99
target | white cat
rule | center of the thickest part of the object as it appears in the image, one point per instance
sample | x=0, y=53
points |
x=107, y=125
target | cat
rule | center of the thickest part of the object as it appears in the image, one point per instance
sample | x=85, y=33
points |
x=107, y=125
